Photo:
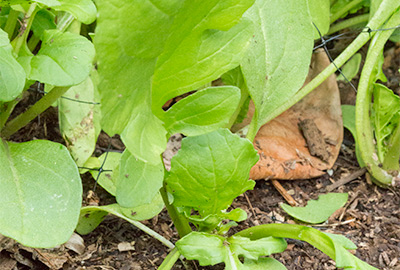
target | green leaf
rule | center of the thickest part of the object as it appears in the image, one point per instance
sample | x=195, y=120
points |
x=320, y=13
x=283, y=32
x=346, y=260
x=83, y=10
x=111, y=166
x=77, y=121
x=210, y=222
x=204, y=111
x=40, y=193
x=44, y=20
x=252, y=249
x=342, y=240
x=12, y=75
x=210, y=249
x=350, y=69
x=64, y=59
x=263, y=264
x=340, y=5
x=349, y=122
x=218, y=173
x=126, y=63
x=91, y=216
x=317, y=211
x=386, y=117
x=207, y=39
x=138, y=182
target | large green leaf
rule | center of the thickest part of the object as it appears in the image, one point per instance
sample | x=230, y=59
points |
x=109, y=177
x=126, y=61
x=64, y=59
x=320, y=12
x=91, y=216
x=210, y=249
x=207, y=39
x=317, y=211
x=12, y=75
x=264, y=264
x=277, y=62
x=77, y=121
x=138, y=182
x=204, y=111
x=41, y=193
x=386, y=117
x=218, y=172
x=44, y=20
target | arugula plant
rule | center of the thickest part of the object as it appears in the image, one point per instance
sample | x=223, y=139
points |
x=41, y=190
x=181, y=46
x=148, y=52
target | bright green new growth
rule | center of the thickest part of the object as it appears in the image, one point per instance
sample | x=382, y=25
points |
x=218, y=173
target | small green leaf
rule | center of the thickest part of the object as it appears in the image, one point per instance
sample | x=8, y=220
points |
x=386, y=117
x=350, y=69
x=111, y=166
x=64, y=59
x=283, y=32
x=12, y=75
x=77, y=121
x=263, y=264
x=218, y=173
x=204, y=111
x=41, y=193
x=138, y=182
x=207, y=39
x=91, y=216
x=317, y=211
x=342, y=240
x=208, y=249
x=252, y=249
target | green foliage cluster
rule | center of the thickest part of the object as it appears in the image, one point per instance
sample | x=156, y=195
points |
x=143, y=54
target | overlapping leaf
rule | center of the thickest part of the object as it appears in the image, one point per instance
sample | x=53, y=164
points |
x=276, y=64
x=211, y=179
x=207, y=39
x=41, y=193
x=64, y=59
x=12, y=75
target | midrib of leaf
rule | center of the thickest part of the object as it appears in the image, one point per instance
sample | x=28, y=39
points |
x=17, y=179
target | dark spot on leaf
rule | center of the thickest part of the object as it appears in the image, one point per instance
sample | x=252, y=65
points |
x=126, y=175
x=133, y=213
x=87, y=215
x=108, y=175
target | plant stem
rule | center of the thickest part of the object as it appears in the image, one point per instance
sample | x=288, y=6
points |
x=348, y=23
x=364, y=129
x=384, y=12
x=28, y=20
x=11, y=23
x=180, y=222
x=344, y=10
x=39, y=107
x=147, y=230
x=299, y=232
x=170, y=260
x=33, y=42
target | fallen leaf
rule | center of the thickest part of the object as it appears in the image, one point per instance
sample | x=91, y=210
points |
x=317, y=211
x=284, y=151
x=125, y=246
x=76, y=243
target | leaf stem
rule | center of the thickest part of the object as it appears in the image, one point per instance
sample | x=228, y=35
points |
x=299, y=232
x=364, y=128
x=27, y=24
x=344, y=10
x=147, y=230
x=11, y=23
x=180, y=222
x=391, y=161
x=170, y=260
x=386, y=9
x=348, y=23
x=39, y=107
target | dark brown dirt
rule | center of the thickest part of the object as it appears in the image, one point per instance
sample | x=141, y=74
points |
x=371, y=218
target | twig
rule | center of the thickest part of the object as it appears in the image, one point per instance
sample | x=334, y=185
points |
x=334, y=224
x=284, y=193
x=251, y=206
x=346, y=179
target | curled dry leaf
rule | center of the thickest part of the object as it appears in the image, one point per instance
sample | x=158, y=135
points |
x=305, y=140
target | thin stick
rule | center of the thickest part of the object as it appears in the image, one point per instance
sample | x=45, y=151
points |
x=284, y=193
x=346, y=179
